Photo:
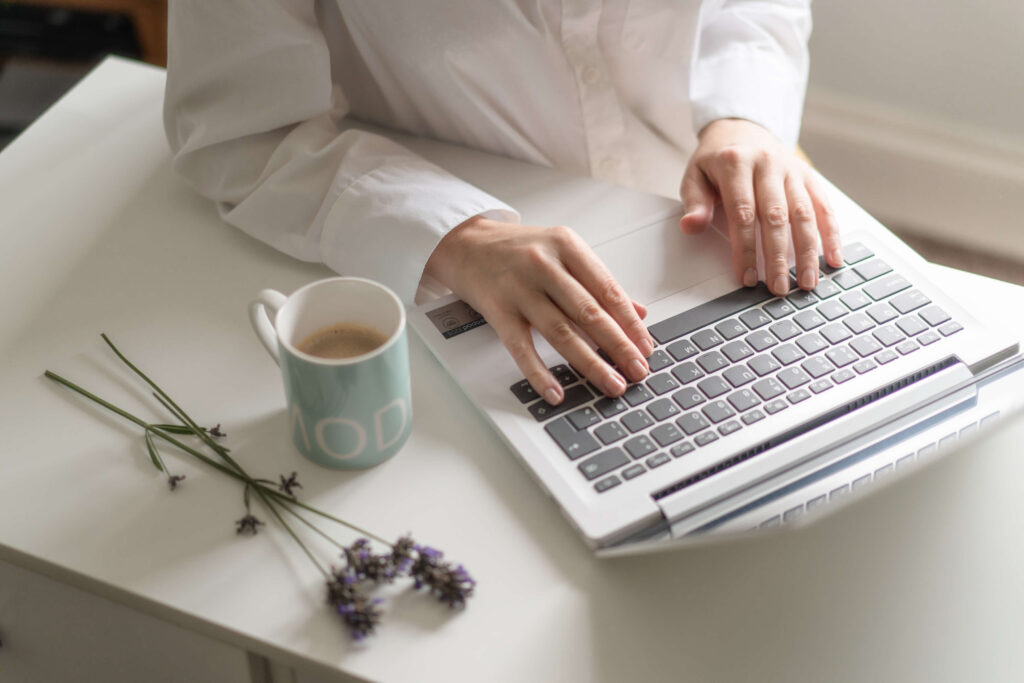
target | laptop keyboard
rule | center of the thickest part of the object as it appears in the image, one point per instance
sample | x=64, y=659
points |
x=738, y=360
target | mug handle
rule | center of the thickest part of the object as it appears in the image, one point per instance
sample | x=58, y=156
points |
x=263, y=314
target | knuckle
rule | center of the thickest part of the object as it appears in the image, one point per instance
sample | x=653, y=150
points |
x=743, y=214
x=563, y=234
x=519, y=349
x=732, y=155
x=535, y=255
x=561, y=334
x=611, y=293
x=803, y=212
x=776, y=216
x=589, y=313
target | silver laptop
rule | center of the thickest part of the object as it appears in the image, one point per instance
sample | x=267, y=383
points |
x=759, y=411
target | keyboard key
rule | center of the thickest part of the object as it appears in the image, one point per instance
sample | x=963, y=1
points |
x=826, y=288
x=681, y=449
x=682, y=349
x=608, y=406
x=666, y=434
x=934, y=316
x=564, y=375
x=952, y=327
x=710, y=312
x=847, y=279
x=801, y=298
x=869, y=270
x=912, y=325
x=706, y=339
x=929, y=337
x=716, y=411
x=787, y=354
x=819, y=386
x=816, y=502
x=691, y=423
x=575, y=396
x=730, y=329
x=855, y=252
x=839, y=492
x=662, y=409
x=909, y=301
x=714, y=386
x=817, y=367
x=639, y=446
x=687, y=372
x=607, y=483
x=662, y=383
x=775, y=406
x=809, y=319
x=793, y=377
x=610, y=432
x=881, y=313
x=712, y=361
x=658, y=460
x=768, y=388
x=841, y=356
x=886, y=287
x=855, y=300
x=836, y=333
x=865, y=345
x=729, y=427
x=779, y=308
x=738, y=375
x=755, y=318
x=792, y=514
x=861, y=482
x=524, y=392
x=705, y=438
x=764, y=364
x=886, y=356
x=866, y=365
x=798, y=396
x=659, y=360
x=858, y=323
x=636, y=394
x=761, y=340
x=744, y=399
x=603, y=462
x=830, y=310
x=636, y=420
x=583, y=418
x=843, y=375
x=633, y=471
x=888, y=335
x=811, y=343
x=573, y=442
x=908, y=346
x=752, y=417
x=785, y=329
x=737, y=351
x=688, y=398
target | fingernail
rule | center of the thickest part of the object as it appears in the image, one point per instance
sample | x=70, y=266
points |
x=553, y=395
x=809, y=278
x=749, y=277
x=781, y=285
x=837, y=257
x=613, y=384
x=637, y=369
x=646, y=347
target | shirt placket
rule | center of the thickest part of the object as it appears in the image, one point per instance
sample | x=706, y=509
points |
x=603, y=121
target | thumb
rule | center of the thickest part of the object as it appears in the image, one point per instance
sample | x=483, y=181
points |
x=699, y=200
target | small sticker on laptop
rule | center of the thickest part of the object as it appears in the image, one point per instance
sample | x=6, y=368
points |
x=455, y=318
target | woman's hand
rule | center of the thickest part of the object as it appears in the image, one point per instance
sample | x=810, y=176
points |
x=520, y=277
x=756, y=179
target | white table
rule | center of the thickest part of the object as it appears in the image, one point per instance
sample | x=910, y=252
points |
x=100, y=235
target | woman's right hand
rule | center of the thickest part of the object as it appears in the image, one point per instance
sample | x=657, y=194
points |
x=521, y=277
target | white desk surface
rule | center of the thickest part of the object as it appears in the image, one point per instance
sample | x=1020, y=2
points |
x=100, y=235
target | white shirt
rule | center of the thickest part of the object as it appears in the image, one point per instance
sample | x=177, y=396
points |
x=612, y=89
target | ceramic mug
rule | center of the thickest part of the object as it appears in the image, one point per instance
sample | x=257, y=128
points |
x=343, y=413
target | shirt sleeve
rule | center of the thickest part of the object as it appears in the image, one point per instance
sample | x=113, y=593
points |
x=250, y=112
x=751, y=62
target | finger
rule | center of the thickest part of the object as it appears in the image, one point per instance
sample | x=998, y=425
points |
x=805, y=232
x=640, y=309
x=583, y=265
x=580, y=307
x=560, y=332
x=773, y=211
x=825, y=218
x=514, y=333
x=699, y=199
x=734, y=176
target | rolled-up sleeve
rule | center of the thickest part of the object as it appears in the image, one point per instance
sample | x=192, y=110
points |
x=250, y=113
x=751, y=62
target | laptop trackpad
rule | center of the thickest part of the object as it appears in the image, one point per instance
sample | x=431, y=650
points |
x=658, y=260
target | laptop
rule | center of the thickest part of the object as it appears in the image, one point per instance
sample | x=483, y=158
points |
x=759, y=411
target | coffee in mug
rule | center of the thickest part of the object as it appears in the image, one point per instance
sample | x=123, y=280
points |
x=342, y=340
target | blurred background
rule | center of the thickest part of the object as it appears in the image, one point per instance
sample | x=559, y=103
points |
x=914, y=107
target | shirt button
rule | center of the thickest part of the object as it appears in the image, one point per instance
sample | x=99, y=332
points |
x=591, y=75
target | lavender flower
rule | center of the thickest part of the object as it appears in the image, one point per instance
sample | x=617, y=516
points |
x=215, y=431
x=345, y=592
x=363, y=564
x=288, y=484
x=174, y=480
x=248, y=525
x=452, y=586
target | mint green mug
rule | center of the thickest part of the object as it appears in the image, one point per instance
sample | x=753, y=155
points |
x=343, y=413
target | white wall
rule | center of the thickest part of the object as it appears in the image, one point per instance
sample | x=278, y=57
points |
x=916, y=109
